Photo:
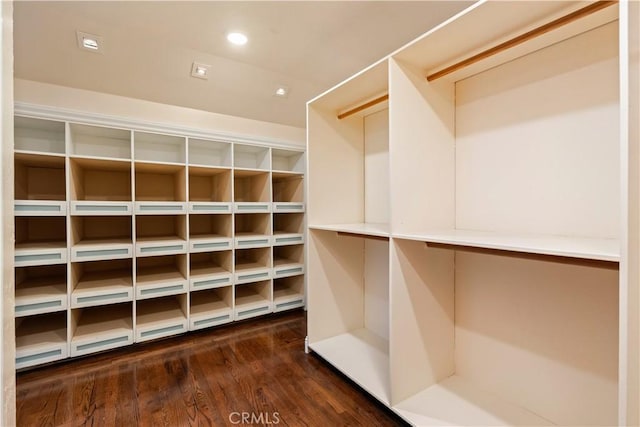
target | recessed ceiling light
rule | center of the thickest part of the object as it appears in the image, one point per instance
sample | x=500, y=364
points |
x=200, y=71
x=281, y=91
x=90, y=42
x=237, y=38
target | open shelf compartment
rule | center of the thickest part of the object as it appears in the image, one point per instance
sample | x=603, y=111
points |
x=160, y=189
x=253, y=299
x=211, y=308
x=288, y=229
x=288, y=293
x=288, y=193
x=99, y=142
x=252, y=230
x=288, y=261
x=209, y=153
x=39, y=136
x=95, y=238
x=41, y=339
x=251, y=191
x=40, y=289
x=161, y=276
x=100, y=187
x=210, y=270
x=101, y=328
x=161, y=235
x=251, y=157
x=101, y=283
x=151, y=147
x=40, y=241
x=209, y=190
x=287, y=162
x=210, y=233
x=39, y=185
x=252, y=265
x=161, y=317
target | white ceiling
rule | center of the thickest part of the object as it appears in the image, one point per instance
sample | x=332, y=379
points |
x=149, y=47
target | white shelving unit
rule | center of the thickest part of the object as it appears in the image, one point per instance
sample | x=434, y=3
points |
x=126, y=236
x=476, y=211
x=288, y=261
x=288, y=229
x=288, y=192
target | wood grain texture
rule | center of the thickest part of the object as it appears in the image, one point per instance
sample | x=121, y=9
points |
x=200, y=379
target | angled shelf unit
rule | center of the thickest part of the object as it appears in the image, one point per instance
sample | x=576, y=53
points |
x=507, y=266
x=288, y=293
x=209, y=190
x=288, y=261
x=41, y=339
x=161, y=235
x=103, y=328
x=252, y=299
x=252, y=230
x=251, y=192
x=40, y=289
x=100, y=187
x=161, y=317
x=95, y=238
x=161, y=276
x=210, y=232
x=252, y=265
x=211, y=307
x=39, y=185
x=97, y=283
x=288, y=229
x=208, y=270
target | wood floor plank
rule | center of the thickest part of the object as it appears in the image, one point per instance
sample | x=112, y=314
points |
x=209, y=378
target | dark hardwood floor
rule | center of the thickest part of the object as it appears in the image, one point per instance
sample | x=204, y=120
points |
x=251, y=373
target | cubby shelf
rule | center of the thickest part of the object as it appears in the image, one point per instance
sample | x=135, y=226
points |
x=252, y=265
x=288, y=261
x=99, y=142
x=161, y=276
x=211, y=308
x=287, y=193
x=209, y=233
x=160, y=189
x=101, y=238
x=39, y=186
x=253, y=299
x=251, y=191
x=207, y=153
x=40, y=241
x=287, y=162
x=210, y=270
x=101, y=283
x=252, y=231
x=209, y=190
x=288, y=293
x=41, y=289
x=39, y=136
x=251, y=157
x=101, y=328
x=160, y=235
x=161, y=149
x=288, y=229
x=161, y=317
x=41, y=339
x=100, y=187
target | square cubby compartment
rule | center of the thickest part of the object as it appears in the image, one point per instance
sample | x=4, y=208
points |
x=288, y=192
x=288, y=260
x=101, y=282
x=211, y=307
x=209, y=153
x=40, y=289
x=287, y=161
x=37, y=135
x=252, y=230
x=153, y=147
x=41, y=339
x=253, y=299
x=251, y=191
x=160, y=189
x=161, y=276
x=96, y=141
x=101, y=238
x=100, y=187
x=288, y=229
x=39, y=177
x=161, y=235
x=161, y=317
x=210, y=270
x=209, y=190
x=210, y=232
x=40, y=241
x=101, y=328
x=251, y=157
x=252, y=265
x=288, y=293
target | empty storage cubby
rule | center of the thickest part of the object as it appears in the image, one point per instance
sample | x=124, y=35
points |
x=288, y=293
x=101, y=238
x=160, y=276
x=209, y=190
x=160, y=189
x=41, y=339
x=101, y=282
x=161, y=317
x=100, y=187
x=252, y=230
x=101, y=142
x=288, y=229
x=210, y=270
x=161, y=235
x=101, y=328
x=152, y=147
x=39, y=185
x=40, y=241
x=288, y=260
x=209, y=232
x=287, y=161
x=251, y=191
x=288, y=193
x=252, y=265
x=40, y=289
x=211, y=307
x=209, y=153
x=39, y=136
x=250, y=157
x=252, y=299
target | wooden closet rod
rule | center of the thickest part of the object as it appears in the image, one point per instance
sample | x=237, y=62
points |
x=573, y=16
x=364, y=106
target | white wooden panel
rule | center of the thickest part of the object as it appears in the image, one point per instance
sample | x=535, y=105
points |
x=541, y=334
x=376, y=287
x=531, y=135
x=376, y=167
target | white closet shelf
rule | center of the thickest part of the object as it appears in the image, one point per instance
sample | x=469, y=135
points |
x=285, y=298
x=363, y=357
x=209, y=243
x=573, y=247
x=244, y=240
x=103, y=329
x=40, y=253
x=209, y=207
x=160, y=208
x=160, y=245
x=283, y=267
x=281, y=238
x=207, y=276
x=158, y=281
x=103, y=287
x=287, y=207
x=249, y=303
x=247, y=272
x=163, y=318
x=364, y=229
x=39, y=208
x=41, y=295
x=102, y=249
x=100, y=207
x=39, y=342
x=456, y=401
x=209, y=312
